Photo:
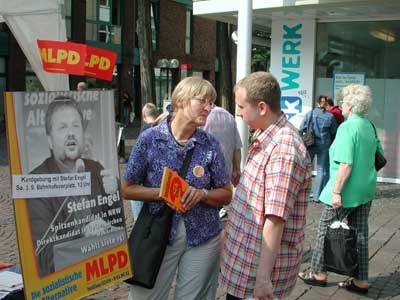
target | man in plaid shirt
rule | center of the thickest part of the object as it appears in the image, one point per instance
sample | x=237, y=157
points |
x=265, y=229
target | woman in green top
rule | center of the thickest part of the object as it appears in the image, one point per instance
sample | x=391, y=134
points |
x=351, y=185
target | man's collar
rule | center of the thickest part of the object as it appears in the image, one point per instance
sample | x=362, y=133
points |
x=262, y=135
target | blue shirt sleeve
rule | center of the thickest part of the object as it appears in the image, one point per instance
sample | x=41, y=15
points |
x=136, y=168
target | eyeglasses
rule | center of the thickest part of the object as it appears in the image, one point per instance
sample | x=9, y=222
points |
x=204, y=101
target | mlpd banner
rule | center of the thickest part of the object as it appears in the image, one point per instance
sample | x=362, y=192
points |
x=77, y=59
x=67, y=202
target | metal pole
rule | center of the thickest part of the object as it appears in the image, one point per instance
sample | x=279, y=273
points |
x=243, y=59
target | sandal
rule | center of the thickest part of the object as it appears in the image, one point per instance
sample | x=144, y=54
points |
x=351, y=287
x=309, y=278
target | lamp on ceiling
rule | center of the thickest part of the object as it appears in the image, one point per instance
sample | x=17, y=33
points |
x=384, y=35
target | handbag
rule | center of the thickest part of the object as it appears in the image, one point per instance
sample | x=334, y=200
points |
x=340, y=249
x=380, y=160
x=149, y=238
x=308, y=135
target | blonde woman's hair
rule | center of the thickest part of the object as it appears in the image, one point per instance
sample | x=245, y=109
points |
x=358, y=96
x=191, y=87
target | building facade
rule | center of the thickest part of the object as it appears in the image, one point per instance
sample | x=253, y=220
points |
x=319, y=46
x=183, y=45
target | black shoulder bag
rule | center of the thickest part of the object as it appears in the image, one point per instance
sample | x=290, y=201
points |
x=380, y=160
x=149, y=238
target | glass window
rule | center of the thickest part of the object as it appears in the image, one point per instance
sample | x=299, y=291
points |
x=91, y=10
x=116, y=12
x=370, y=48
x=68, y=27
x=67, y=8
x=91, y=31
x=189, y=33
x=2, y=65
x=3, y=84
x=33, y=84
x=104, y=33
x=116, y=34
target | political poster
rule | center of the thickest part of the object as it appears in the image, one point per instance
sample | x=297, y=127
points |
x=66, y=195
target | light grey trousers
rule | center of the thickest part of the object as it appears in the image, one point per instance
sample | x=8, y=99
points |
x=196, y=270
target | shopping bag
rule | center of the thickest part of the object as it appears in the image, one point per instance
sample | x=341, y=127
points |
x=340, y=249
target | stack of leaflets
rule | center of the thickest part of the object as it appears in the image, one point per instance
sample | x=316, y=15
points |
x=9, y=282
x=172, y=188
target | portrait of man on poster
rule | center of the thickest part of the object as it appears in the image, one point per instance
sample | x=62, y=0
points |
x=58, y=220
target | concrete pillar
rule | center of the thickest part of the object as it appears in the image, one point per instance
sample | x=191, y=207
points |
x=243, y=61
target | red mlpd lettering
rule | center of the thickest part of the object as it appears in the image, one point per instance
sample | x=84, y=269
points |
x=105, y=265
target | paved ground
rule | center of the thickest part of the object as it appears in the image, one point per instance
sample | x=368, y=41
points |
x=383, y=240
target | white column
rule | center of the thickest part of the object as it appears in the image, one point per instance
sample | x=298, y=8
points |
x=243, y=60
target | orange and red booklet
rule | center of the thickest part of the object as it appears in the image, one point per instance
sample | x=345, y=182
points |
x=172, y=188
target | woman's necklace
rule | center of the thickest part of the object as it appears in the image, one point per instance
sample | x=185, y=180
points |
x=182, y=142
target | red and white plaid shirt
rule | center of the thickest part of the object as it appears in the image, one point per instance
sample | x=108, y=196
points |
x=275, y=181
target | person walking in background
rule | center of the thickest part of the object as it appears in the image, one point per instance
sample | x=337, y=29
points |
x=265, y=228
x=81, y=86
x=351, y=187
x=334, y=110
x=149, y=116
x=324, y=127
x=194, y=241
x=222, y=125
x=126, y=109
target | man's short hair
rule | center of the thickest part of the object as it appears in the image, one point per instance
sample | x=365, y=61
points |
x=319, y=100
x=58, y=103
x=329, y=101
x=261, y=86
x=150, y=110
x=81, y=85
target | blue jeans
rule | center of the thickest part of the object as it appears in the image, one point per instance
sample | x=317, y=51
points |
x=322, y=153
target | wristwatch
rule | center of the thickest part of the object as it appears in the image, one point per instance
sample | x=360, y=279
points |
x=205, y=191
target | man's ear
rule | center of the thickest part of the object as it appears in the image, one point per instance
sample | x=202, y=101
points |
x=50, y=142
x=263, y=108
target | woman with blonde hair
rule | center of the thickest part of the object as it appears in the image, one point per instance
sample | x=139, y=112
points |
x=351, y=186
x=194, y=240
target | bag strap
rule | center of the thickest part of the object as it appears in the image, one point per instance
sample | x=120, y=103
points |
x=337, y=216
x=373, y=126
x=310, y=126
x=376, y=135
x=183, y=171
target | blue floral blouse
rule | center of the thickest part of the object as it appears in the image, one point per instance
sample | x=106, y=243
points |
x=155, y=149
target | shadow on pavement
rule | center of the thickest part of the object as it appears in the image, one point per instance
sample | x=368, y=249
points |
x=385, y=286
